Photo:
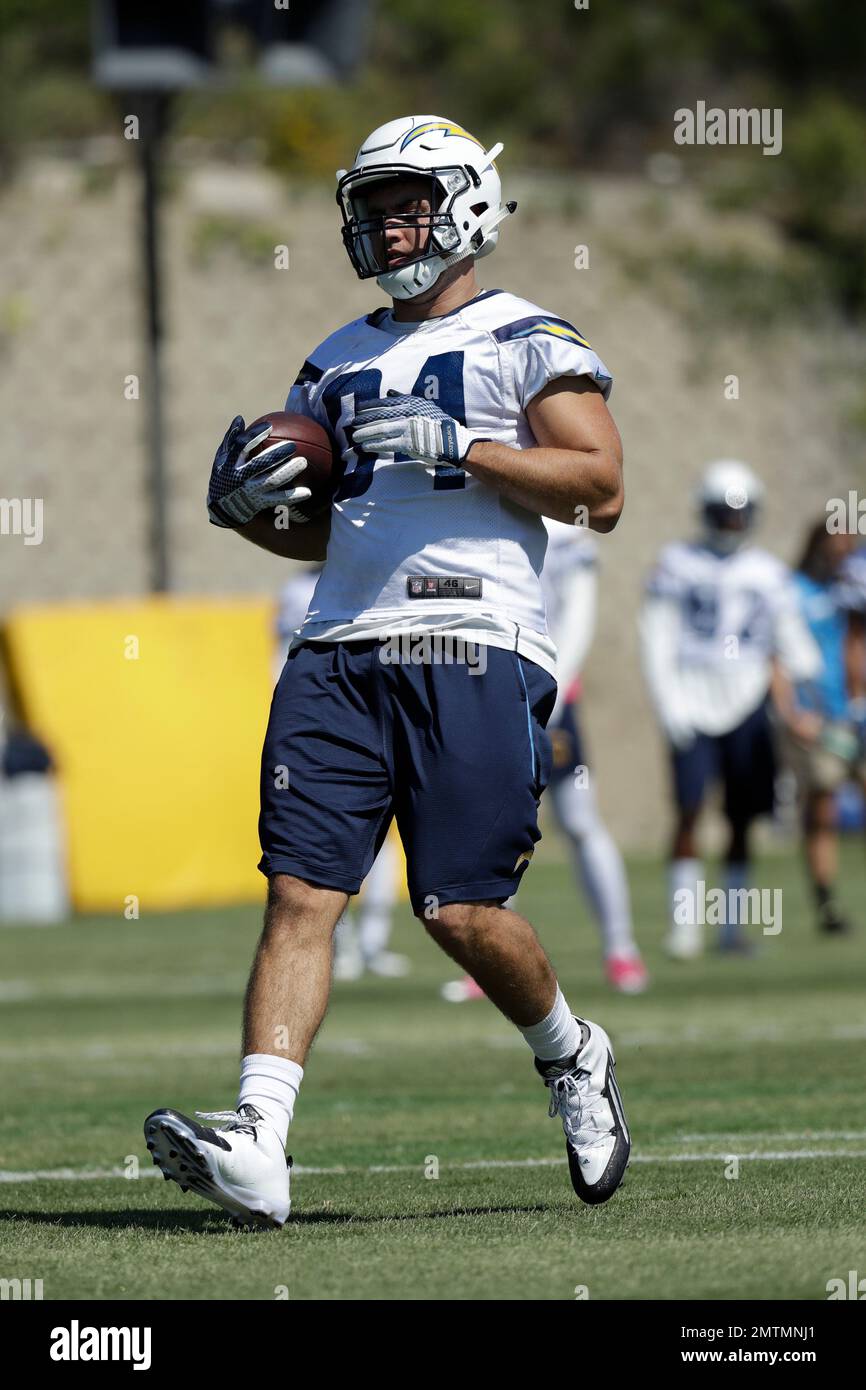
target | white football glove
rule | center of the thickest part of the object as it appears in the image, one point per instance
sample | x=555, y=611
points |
x=407, y=425
x=241, y=487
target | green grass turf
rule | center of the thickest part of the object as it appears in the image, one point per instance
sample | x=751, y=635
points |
x=106, y=1019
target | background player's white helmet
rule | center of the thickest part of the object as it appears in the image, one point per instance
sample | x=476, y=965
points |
x=465, y=198
x=728, y=498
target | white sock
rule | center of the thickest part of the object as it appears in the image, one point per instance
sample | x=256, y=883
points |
x=271, y=1084
x=556, y=1037
x=374, y=929
x=684, y=876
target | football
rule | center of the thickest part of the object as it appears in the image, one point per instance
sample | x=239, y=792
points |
x=314, y=443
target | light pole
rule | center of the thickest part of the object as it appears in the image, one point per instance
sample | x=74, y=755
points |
x=147, y=53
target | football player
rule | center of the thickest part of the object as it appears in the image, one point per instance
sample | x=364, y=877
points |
x=719, y=628
x=463, y=415
x=570, y=583
x=829, y=747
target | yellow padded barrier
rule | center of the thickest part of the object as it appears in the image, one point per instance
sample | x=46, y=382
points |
x=155, y=711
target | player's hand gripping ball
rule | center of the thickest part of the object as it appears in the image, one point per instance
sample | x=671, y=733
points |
x=282, y=459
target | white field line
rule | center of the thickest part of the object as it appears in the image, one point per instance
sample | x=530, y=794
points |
x=841, y=1135
x=772, y=1156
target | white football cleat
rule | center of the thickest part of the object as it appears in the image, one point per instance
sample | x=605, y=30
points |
x=241, y=1165
x=348, y=965
x=685, y=941
x=388, y=965
x=584, y=1093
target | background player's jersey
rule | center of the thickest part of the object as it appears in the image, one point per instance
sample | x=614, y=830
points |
x=711, y=627
x=395, y=519
x=825, y=611
x=293, y=604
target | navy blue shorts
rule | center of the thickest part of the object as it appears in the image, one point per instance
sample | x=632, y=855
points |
x=458, y=756
x=743, y=760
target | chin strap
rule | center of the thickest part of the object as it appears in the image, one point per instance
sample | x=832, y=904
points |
x=485, y=227
x=476, y=242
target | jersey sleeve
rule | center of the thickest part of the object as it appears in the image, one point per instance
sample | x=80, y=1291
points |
x=303, y=398
x=542, y=348
x=665, y=580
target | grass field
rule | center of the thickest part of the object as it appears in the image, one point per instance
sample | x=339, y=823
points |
x=763, y=1058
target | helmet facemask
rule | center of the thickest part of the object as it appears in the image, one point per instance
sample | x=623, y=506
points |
x=364, y=232
x=727, y=526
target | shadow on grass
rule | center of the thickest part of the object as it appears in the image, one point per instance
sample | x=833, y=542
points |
x=210, y=1223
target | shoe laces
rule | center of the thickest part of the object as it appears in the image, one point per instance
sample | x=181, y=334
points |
x=233, y=1120
x=584, y=1112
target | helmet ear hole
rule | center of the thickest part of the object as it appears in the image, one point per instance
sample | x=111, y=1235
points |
x=478, y=208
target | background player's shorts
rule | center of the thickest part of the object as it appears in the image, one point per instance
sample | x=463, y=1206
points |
x=835, y=758
x=459, y=755
x=743, y=760
x=566, y=743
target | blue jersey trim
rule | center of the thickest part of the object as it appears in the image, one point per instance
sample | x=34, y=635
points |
x=309, y=374
x=540, y=323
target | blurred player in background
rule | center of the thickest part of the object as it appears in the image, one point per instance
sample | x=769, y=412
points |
x=719, y=629
x=828, y=747
x=360, y=946
x=570, y=583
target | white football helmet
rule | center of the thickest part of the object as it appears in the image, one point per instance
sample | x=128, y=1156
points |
x=465, y=200
x=728, y=498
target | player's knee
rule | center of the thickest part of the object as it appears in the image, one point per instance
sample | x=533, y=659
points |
x=454, y=921
x=290, y=900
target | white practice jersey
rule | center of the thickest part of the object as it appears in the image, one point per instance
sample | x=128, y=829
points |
x=417, y=547
x=569, y=583
x=711, y=628
x=293, y=604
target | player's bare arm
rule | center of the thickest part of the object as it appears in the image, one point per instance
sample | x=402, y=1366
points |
x=804, y=724
x=578, y=464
